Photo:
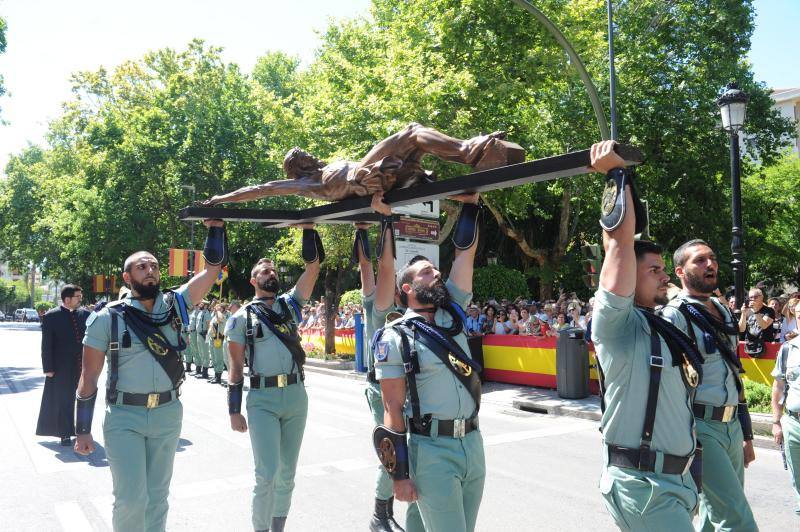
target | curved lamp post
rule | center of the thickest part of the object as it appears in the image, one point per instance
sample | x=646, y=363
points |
x=576, y=61
x=733, y=105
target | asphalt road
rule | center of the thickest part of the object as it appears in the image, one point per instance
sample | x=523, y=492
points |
x=542, y=471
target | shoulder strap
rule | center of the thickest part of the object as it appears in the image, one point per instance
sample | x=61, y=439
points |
x=408, y=352
x=689, y=321
x=113, y=359
x=249, y=336
x=656, y=365
x=784, y=355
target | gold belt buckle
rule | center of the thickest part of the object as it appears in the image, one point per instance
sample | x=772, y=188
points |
x=153, y=400
x=283, y=381
x=727, y=415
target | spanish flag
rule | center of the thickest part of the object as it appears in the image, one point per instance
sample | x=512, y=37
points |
x=199, y=262
x=99, y=284
x=178, y=262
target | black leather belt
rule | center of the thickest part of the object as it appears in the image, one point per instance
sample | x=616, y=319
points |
x=454, y=428
x=276, y=381
x=150, y=400
x=715, y=413
x=632, y=458
x=371, y=377
x=794, y=415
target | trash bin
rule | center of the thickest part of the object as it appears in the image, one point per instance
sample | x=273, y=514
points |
x=572, y=364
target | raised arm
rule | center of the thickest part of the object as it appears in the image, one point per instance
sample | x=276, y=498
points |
x=618, y=274
x=384, y=291
x=313, y=254
x=215, y=253
x=465, y=238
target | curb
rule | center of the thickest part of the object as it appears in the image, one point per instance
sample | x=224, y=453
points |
x=341, y=373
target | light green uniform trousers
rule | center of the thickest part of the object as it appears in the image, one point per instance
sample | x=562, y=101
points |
x=791, y=443
x=639, y=500
x=140, y=446
x=188, y=353
x=201, y=356
x=449, y=474
x=384, y=487
x=216, y=357
x=723, y=506
x=277, y=420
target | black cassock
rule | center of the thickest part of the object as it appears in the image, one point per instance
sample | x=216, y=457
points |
x=62, y=350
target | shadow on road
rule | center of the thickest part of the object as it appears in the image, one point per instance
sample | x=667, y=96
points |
x=68, y=455
x=17, y=380
x=183, y=444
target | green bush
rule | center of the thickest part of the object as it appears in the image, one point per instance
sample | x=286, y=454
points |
x=351, y=296
x=758, y=396
x=43, y=306
x=498, y=282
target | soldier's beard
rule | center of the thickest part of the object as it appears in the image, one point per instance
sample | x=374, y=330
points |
x=270, y=285
x=700, y=283
x=146, y=291
x=435, y=294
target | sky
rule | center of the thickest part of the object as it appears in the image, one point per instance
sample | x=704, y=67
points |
x=50, y=39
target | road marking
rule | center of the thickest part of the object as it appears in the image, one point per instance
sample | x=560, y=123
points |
x=71, y=517
x=509, y=437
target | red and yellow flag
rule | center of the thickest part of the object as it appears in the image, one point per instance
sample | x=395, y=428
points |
x=178, y=262
x=223, y=274
x=199, y=261
x=99, y=284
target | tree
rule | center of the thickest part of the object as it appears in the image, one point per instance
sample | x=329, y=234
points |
x=3, y=27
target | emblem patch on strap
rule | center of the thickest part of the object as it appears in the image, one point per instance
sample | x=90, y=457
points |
x=460, y=367
x=155, y=347
x=609, y=199
x=381, y=351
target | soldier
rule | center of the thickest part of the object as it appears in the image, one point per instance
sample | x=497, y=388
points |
x=214, y=339
x=265, y=330
x=647, y=369
x=424, y=356
x=234, y=307
x=378, y=301
x=142, y=336
x=201, y=357
x=190, y=353
x=786, y=407
x=724, y=429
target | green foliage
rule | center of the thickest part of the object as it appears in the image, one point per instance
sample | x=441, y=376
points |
x=498, y=282
x=3, y=27
x=43, y=306
x=351, y=297
x=758, y=396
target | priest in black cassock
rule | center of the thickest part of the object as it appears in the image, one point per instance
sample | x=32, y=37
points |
x=62, y=349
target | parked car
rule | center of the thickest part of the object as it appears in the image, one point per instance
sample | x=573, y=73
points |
x=26, y=314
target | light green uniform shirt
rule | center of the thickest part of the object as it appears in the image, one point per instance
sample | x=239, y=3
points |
x=373, y=320
x=201, y=321
x=272, y=357
x=719, y=382
x=193, y=320
x=139, y=372
x=441, y=394
x=621, y=337
x=792, y=349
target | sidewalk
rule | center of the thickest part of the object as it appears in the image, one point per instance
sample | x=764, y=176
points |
x=537, y=400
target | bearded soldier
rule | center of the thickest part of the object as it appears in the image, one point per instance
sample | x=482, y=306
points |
x=724, y=429
x=265, y=331
x=142, y=336
x=427, y=376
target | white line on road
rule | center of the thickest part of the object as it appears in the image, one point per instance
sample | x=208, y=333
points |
x=71, y=517
x=509, y=437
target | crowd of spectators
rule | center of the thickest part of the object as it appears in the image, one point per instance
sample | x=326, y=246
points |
x=313, y=321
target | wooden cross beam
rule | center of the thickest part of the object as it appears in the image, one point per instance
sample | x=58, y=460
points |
x=358, y=208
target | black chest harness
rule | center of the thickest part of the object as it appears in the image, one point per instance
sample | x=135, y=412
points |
x=439, y=340
x=685, y=354
x=282, y=325
x=146, y=327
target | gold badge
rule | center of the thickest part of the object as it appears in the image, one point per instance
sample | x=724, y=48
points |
x=692, y=377
x=283, y=328
x=461, y=367
x=155, y=347
x=387, y=455
x=609, y=197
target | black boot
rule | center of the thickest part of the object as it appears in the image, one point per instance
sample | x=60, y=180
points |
x=198, y=372
x=382, y=519
x=188, y=367
x=217, y=378
x=205, y=372
x=278, y=524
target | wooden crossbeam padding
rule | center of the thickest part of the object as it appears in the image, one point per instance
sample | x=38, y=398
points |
x=358, y=208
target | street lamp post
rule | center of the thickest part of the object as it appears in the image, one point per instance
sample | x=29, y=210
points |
x=191, y=230
x=732, y=105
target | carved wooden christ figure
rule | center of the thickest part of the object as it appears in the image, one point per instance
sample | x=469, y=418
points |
x=392, y=163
